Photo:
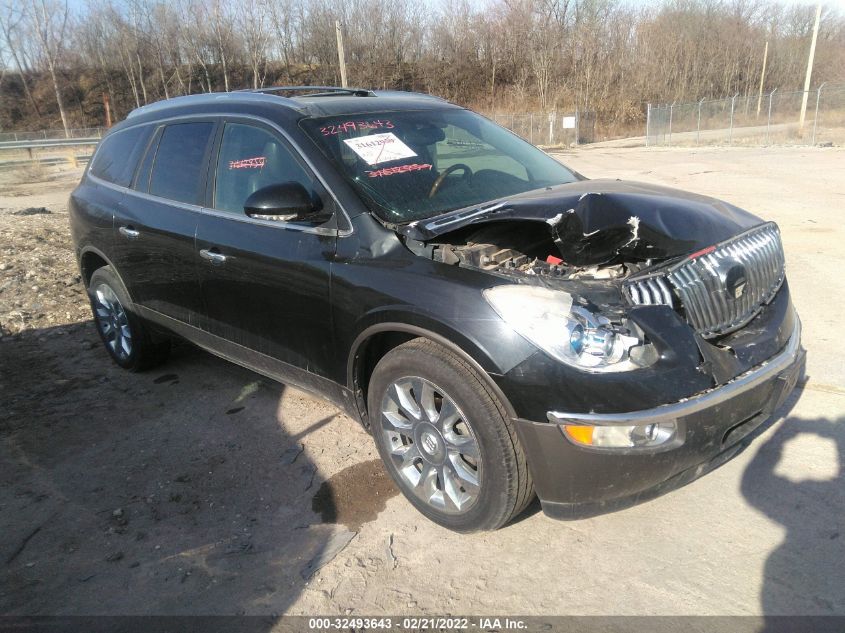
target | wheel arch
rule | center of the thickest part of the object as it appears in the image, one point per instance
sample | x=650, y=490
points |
x=376, y=340
x=91, y=259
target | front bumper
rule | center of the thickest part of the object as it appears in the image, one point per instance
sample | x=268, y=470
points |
x=574, y=481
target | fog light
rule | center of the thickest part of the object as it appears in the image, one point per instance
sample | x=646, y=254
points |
x=642, y=436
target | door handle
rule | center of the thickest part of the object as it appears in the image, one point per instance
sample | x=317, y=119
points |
x=129, y=233
x=214, y=258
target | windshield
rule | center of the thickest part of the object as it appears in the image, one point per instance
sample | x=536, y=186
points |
x=411, y=165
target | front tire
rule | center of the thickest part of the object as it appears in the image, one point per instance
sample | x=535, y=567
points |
x=446, y=440
x=125, y=336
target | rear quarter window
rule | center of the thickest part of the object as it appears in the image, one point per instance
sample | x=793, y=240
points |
x=118, y=155
x=180, y=162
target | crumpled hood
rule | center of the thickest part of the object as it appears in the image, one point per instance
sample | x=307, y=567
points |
x=597, y=221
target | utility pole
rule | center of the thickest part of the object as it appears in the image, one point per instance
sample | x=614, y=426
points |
x=762, y=78
x=107, y=107
x=809, y=69
x=340, y=56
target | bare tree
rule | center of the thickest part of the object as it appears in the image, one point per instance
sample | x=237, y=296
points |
x=95, y=40
x=192, y=15
x=11, y=25
x=48, y=20
x=549, y=31
x=221, y=29
x=607, y=56
x=155, y=18
x=251, y=22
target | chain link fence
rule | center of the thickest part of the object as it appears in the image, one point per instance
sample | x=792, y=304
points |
x=769, y=119
x=550, y=128
x=43, y=135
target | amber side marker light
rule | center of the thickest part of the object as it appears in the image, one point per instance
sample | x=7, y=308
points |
x=640, y=436
x=580, y=434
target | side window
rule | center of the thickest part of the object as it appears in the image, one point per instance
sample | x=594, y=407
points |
x=179, y=163
x=119, y=153
x=251, y=158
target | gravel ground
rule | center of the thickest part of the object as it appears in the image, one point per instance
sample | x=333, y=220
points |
x=39, y=280
x=202, y=488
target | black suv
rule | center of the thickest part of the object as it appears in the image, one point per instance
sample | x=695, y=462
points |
x=503, y=326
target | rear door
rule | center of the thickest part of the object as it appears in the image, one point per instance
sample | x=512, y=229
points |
x=265, y=283
x=109, y=174
x=157, y=222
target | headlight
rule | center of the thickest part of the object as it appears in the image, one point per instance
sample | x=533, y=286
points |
x=569, y=333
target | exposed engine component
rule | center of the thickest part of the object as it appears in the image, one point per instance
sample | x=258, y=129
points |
x=519, y=247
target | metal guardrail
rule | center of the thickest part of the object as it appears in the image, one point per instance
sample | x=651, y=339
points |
x=34, y=151
x=69, y=142
x=55, y=160
x=84, y=132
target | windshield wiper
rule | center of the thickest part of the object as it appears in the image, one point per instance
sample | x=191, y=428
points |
x=461, y=216
x=457, y=216
x=434, y=226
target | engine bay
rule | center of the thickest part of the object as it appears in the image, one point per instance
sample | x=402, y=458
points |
x=521, y=248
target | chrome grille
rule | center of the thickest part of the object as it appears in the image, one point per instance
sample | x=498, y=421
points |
x=651, y=291
x=720, y=288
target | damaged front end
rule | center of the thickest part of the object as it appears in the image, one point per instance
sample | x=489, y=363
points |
x=665, y=325
x=592, y=271
x=587, y=229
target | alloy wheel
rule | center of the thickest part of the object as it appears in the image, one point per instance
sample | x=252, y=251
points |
x=112, y=321
x=431, y=444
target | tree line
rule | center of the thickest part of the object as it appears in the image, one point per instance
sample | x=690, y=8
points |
x=58, y=65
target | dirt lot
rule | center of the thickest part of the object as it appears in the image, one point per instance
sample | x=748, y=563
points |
x=204, y=488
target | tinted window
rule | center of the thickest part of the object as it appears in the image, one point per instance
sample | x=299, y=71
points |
x=251, y=158
x=178, y=169
x=118, y=155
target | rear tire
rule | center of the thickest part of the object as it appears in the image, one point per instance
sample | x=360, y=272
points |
x=446, y=439
x=125, y=336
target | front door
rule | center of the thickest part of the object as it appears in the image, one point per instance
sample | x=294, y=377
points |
x=265, y=283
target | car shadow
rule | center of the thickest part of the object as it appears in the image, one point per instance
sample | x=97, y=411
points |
x=805, y=575
x=175, y=491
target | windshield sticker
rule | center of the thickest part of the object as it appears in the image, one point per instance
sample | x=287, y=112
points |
x=379, y=148
x=353, y=126
x=399, y=169
x=248, y=163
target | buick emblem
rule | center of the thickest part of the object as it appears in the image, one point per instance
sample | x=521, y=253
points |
x=736, y=281
x=430, y=443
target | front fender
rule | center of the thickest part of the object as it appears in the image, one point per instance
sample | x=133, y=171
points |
x=414, y=321
x=396, y=319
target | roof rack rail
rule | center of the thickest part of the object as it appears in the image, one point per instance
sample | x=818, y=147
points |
x=322, y=91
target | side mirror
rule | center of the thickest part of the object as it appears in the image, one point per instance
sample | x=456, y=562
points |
x=285, y=201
